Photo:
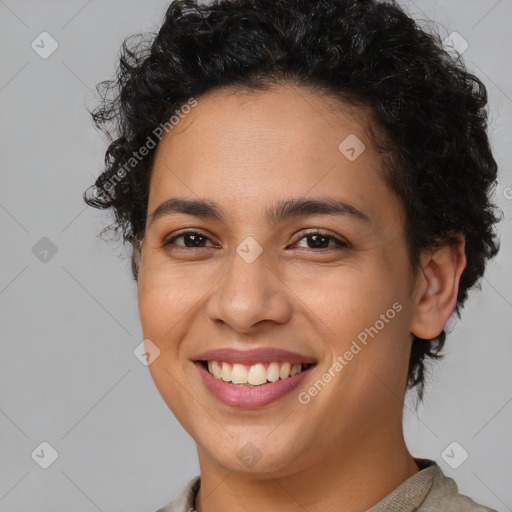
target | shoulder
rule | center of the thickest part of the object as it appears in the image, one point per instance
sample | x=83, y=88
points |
x=185, y=500
x=429, y=490
x=444, y=496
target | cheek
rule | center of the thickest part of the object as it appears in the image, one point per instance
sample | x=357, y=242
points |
x=162, y=303
x=344, y=301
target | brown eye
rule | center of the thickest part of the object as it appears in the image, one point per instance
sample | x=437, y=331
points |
x=319, y=240
x=191, y=239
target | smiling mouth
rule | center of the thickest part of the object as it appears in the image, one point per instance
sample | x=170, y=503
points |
x=253, y=375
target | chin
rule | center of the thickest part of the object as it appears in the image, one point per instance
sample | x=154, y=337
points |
x=256, y=454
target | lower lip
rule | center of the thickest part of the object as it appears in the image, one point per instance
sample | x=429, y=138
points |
x=239, y=395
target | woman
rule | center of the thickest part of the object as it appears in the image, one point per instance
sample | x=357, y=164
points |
x=306, y=187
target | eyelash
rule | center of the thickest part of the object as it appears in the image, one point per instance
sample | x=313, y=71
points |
x=340, y=244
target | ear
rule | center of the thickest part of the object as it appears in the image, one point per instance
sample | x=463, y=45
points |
x=437, y=288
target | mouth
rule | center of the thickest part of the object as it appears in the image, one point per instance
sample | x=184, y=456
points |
x=240, y=379
x=253, y=375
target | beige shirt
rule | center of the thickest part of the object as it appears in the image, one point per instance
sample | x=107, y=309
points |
x=429, y=490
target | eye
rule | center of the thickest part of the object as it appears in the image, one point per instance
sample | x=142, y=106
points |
x=321, y=240
x=192, y=239
x=314, y=240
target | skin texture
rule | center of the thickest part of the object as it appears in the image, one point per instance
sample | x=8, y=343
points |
x=246, y=151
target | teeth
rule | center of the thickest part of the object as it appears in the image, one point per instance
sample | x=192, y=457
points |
x=254, y=375
x=285, y=370
x=226, y=372
x=257, y=375
x=273, y=372
x=216, y=369
x=296, y=368
x=238, y=374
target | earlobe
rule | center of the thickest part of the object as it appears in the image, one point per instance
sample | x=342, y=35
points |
x=437, y=288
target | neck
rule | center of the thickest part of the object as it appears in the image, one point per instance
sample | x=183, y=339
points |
x=352, y=478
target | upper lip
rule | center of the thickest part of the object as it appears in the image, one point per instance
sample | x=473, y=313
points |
x=253, y=356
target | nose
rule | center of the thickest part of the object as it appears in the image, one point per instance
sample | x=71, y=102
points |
x=250, y=294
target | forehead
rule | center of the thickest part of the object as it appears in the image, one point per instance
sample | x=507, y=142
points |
x=260, y=146
x=285, y=119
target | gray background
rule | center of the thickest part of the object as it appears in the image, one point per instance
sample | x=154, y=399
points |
x=69, y=325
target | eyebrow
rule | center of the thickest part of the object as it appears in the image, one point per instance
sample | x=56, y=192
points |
x=279, y=212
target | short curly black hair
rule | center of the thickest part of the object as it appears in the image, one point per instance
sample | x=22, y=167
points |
x=429, y=114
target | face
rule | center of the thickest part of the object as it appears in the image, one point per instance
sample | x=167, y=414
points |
x=295, y=259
